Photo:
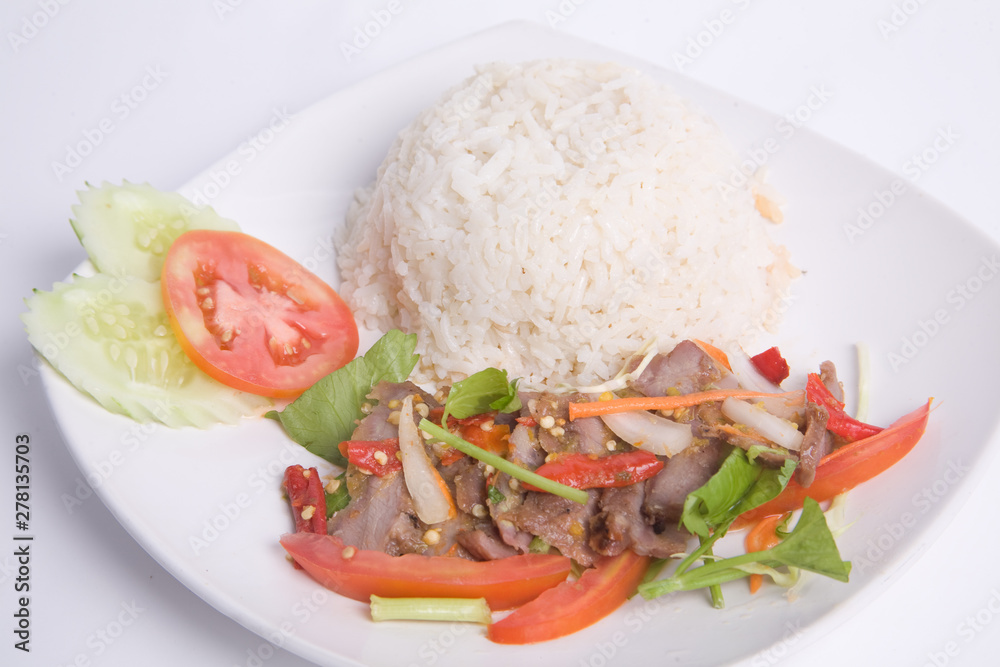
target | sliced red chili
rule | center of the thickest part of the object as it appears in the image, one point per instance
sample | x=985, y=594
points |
x=771, y=365
x=583, y=472
x=306, y=496
x=377, y=457
x=840, y=423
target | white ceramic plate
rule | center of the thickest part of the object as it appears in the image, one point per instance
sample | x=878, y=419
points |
x=207, y=505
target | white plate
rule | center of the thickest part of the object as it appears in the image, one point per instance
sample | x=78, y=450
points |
x=170, y=489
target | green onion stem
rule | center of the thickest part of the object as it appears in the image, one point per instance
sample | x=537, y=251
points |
x=467, y=610
x=503, y=465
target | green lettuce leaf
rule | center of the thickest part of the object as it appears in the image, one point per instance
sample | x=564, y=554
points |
x=325, y=414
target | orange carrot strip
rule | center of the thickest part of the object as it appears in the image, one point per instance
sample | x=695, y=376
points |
x=714, y=352
x=596, y=408
x=763, y=536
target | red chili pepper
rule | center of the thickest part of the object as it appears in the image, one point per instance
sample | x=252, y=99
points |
x=377, y=457
x=305, y=491
x=582, y=472
x=771, y=365
x=840, y=423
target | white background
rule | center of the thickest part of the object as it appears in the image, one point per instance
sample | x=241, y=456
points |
x=897, y=74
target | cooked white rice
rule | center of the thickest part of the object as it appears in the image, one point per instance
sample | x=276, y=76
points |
x=550, y=217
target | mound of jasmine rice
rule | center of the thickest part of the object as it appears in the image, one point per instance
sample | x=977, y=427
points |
x=550, y=217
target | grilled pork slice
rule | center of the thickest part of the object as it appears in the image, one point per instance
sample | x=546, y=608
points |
x=686, y=369
x=380, y=517
x=681, y=474
x=816, y=443
x=620, y=525
x=556, y=433
x=562, y=523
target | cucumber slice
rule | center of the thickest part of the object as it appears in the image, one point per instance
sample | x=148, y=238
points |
x=127, y=229
x=110, y=337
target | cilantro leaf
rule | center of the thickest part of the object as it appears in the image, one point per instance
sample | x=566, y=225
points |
x=325, y=414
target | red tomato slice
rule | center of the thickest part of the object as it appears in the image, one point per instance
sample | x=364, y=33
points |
x=252, y=317
x=848, y=466
x=359, y=574
x=573, y=605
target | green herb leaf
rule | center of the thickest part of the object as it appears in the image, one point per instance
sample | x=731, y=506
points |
x=339, y=499
x=739, y=486
x=810, y=546
x=708, y=506
x=769, y=484
x=494, y=495
x=325, y=414
x=481, y=392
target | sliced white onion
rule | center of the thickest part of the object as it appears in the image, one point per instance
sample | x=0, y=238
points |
x=748, y=375
x=431, y=498
x=786, y=407
x=661, y=436
x=775, y=429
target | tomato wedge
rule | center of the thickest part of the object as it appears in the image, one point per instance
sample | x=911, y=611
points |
x=573, y=605
x=358, y=574
x=252, y=317
x=848, y=466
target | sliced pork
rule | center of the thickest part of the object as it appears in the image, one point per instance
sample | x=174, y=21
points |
x=620, y=525
x=816, y=444
x=681, y=474
x=686, y=369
